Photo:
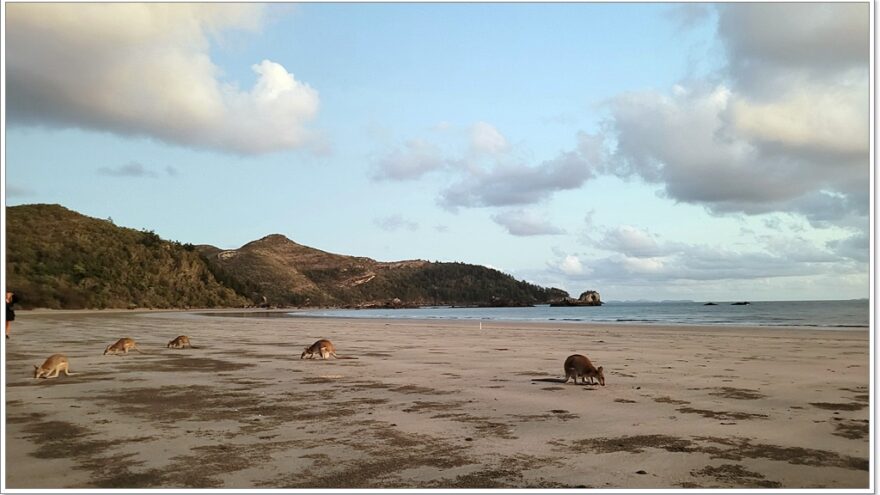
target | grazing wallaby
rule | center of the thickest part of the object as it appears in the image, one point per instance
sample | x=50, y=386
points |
x=179, y=343
x=123, y=345
x=323, y=348
x=579, y=366
x=53, y=366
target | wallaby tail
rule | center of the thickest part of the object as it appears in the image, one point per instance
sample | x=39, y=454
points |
x=344, y=357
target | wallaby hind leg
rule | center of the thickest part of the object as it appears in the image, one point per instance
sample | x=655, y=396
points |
x=325, y=354
x=567, y=376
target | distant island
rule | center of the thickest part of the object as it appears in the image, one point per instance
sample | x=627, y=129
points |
x=58, y=258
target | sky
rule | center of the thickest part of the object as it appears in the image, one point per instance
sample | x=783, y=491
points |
x=647, y=151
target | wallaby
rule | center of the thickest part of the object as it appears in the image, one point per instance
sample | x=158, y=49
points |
x=123, y=345
x=323, y=347
x=579, y=366
x=179, y=343
x=53, y=366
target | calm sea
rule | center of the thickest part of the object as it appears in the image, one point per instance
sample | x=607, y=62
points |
x=830, y=314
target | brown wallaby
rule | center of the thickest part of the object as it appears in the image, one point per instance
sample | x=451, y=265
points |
x=53, y=366
x=179, y=343
x=577, y=365
x=123, y=345
x=323, y=348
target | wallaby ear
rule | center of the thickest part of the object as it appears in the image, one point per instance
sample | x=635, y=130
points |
x=36, y=367
x=601, y=369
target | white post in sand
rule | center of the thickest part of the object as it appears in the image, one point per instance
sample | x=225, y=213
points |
x=481, y=324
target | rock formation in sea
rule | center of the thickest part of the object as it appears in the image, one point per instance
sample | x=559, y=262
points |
x=588, y=298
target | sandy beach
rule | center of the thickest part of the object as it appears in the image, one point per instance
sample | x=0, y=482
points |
x=432, y=404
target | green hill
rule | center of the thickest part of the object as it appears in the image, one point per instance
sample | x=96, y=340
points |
x=57, y=258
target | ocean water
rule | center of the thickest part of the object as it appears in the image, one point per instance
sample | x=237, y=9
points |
x=843, y=315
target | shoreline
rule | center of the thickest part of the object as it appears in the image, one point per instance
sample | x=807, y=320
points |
x=300, y=313
x=432, y=404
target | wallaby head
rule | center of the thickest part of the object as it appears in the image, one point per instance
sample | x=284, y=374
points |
x=600, y=374
x=39, y=372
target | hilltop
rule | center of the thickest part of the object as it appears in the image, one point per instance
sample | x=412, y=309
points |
x=287, y=273
x=58, y=258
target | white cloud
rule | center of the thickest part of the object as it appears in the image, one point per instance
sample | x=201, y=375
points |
x=787, y=129
x=856, y=247
x=642, y=266
x=686, y=15
x=685, y=142
x=631, y=241
x=145, y=69
x=830, y=121
x=130, y=169
x=767, y=43
x=638, y=258
x=486, y=139
x=571, y=265
x=526, y=223
x=699, y=263
x=394, y=223
x=416, y=159
x=508, y=185
x=17, y=191
x=485, y=175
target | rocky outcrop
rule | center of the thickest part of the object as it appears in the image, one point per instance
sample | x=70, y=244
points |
x=588, y=298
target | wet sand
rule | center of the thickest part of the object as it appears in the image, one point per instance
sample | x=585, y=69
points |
x=432, y=404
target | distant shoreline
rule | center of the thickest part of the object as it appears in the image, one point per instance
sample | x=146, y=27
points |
x=397, y=315
x=304, y=313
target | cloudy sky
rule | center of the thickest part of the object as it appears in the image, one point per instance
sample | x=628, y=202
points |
x=656, y=151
